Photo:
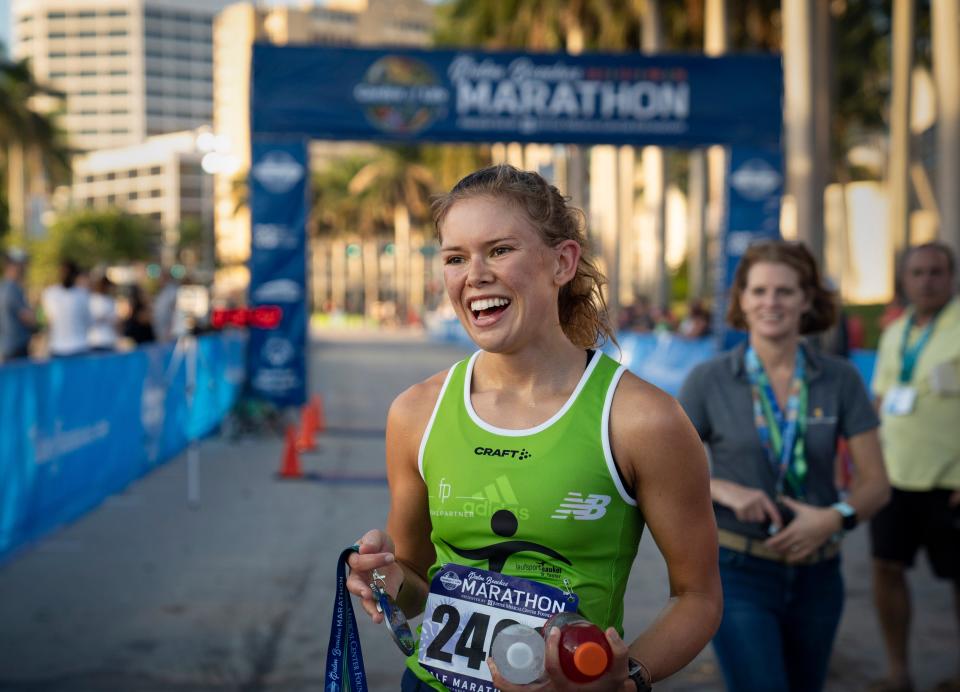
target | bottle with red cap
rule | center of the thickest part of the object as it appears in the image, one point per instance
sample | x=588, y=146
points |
x=585, y=654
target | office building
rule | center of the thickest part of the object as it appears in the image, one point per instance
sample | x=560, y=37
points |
x=236, y=28
x=129, y=69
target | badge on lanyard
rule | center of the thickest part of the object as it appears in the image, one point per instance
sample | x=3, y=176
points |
x=466, y=609
x=900, y=401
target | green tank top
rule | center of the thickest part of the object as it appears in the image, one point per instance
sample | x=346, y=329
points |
x=545, y=503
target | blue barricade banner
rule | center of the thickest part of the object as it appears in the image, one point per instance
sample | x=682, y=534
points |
x=278, y=268
x=477, y=96
x=66, y=444
x=754, y=188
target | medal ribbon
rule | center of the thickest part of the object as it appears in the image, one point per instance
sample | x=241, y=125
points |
x=344, y=667
x=782, y=434
x=909, y=355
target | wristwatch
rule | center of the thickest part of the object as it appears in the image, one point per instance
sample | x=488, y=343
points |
x=638, y=672
x=848, y=513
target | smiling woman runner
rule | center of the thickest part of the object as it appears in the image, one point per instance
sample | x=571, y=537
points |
x=521, y=478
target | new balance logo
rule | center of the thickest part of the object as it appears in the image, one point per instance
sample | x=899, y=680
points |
x=576, y=506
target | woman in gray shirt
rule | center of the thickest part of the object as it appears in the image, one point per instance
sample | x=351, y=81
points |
x=771, y=412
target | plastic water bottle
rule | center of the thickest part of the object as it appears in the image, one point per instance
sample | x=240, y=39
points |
x=518, y=651
x=585, y=654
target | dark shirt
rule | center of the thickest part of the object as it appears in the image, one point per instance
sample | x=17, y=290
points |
x=717, y=397
x=14, y=334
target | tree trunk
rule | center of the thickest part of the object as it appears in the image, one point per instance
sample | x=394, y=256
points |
x=338, y=274
x=898, y=162
x=946, y=73
x=654, y=169
x=17, y=190
x=371, y=278
x=401, y=249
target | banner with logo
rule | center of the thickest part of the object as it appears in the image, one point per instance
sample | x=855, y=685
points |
x=278, y=268
x=477, y=96
x=754, y=188
x=63, y=450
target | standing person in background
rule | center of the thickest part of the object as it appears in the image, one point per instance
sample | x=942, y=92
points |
x=917, y=382
x=103, y=315
x=66, y=306
x=604, y=454
x=166, y=323
x=17, y=319
x=771, y=412
x=138, y=325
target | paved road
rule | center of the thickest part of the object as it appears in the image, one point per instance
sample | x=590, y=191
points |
x=147, y=594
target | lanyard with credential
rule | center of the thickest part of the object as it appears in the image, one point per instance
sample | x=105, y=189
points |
x=344, y=669
x=909, y=355
x=782, y=434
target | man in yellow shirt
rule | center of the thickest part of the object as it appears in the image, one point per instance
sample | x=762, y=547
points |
x=917, y=385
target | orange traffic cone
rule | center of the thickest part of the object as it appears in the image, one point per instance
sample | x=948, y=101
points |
x=308, y=427
x=319, y=421
x=290, y=462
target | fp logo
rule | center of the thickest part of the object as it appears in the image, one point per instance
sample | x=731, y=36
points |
x=443, y=490
x=576, y=506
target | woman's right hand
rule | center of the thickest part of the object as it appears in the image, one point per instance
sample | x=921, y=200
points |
x=748, y=504
x=376, y=553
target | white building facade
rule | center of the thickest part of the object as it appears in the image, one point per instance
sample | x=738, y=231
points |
x=129, y=69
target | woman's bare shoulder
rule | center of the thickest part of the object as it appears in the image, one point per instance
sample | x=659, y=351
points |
x=414, y=406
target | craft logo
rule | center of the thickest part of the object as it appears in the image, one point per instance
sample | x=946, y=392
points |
x=520, y=454
x=755, y=179
x=450, y=581
x=401, y=94
x=278, y=171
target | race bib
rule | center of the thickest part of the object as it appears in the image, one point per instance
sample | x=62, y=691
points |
x=466, y=608
x=900, y=401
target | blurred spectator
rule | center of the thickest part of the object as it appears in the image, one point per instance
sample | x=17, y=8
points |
x=66, y=306
x=696, y=325
x=917, y=379
x=167, y=324
x=103, y=315
x=663, y=319
x=17, y=320
x=637, y=317
x=138, y=326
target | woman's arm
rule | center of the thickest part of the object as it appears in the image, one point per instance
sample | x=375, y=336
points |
x=663, y=460
x=813, y=526
x=748, y=504
x=403, y=553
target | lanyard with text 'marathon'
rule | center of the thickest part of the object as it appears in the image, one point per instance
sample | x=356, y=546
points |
x=909, y=355
x=782, y=433
x=344, y=668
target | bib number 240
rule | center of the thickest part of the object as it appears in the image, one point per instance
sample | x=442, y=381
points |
x=472, y=643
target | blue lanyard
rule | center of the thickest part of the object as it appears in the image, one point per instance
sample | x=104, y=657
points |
x=344, y=669
x=782, y=434
x=909, y=355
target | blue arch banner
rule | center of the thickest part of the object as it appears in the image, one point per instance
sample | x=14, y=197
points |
x=481, y=96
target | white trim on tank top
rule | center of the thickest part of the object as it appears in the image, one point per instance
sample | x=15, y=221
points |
x=433, y=417
x=605, y=436
x=509, y=432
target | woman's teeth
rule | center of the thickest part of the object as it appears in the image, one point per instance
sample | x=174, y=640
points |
x=487, y=303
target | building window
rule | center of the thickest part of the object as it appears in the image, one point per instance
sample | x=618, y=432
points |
x=88, y=54
x=156, y=193
x=57, y=34
x=118, y=73
x=117, y=13
x=119, y=131
x=117, y=32
x=118, y=52
x=58, y=74
x=87, y=34
x=86, y=14
x=156, y=170
x=56, y=15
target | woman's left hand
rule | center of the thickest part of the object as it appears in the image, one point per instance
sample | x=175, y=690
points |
x=810, y=529
x=553, y=679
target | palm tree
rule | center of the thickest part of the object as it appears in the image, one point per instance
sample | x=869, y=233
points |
x=32, y=143
x=394, y=189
